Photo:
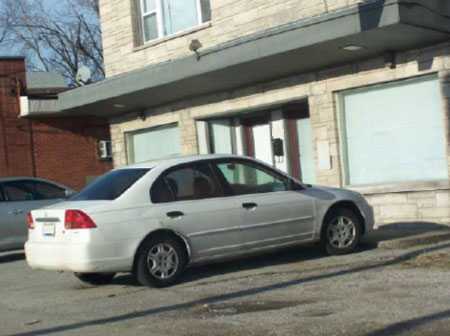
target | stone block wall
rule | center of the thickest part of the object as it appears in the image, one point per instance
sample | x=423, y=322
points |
x=231, y=19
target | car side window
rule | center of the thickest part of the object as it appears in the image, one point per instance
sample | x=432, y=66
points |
x=17, y=191
x=189, y=182
x=47, y=191
x=161, y=192
x=248, y=178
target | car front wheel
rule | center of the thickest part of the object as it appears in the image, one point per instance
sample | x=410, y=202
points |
x=160, y=262
x=341, y=232
x=96, y=279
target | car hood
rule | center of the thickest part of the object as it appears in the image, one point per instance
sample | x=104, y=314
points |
x=334, y=194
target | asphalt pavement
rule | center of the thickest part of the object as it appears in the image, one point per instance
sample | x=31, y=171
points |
x=378, y=291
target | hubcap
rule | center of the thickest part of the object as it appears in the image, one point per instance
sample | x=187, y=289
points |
x=162, y=261
x=341, y=232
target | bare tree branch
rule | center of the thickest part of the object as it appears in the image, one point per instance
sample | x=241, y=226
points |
x=58, y=39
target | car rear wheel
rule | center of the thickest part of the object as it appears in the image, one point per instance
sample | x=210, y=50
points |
x=341, y=232
x=96, y=279
x=160, y=262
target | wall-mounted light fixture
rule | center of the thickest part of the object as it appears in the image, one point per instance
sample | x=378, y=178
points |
x=142, y=115
x=390, y=59
x=195, y=46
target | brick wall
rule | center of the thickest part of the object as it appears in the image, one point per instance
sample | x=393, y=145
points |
x=63, y=150
x=231, y=19
x=15, y=158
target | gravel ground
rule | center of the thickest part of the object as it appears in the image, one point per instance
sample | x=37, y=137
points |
x=296, y=292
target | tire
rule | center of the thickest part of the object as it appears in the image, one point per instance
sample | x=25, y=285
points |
x=160, y=262
x=96, y=279
x=341, y=232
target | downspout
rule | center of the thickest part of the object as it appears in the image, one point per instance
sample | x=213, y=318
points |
x=33, y=158
x=30, y=128
x=3, y=125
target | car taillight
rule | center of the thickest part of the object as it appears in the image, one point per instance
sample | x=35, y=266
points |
x=77, y=219
x=30, y=221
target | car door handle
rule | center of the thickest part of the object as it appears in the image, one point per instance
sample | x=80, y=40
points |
x=175, y=214
x=249, y=206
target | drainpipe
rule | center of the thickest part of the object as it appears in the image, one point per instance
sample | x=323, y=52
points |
x=30, y=127
x=33, y=157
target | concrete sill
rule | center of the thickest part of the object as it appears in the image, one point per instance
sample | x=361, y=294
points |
x=401, y=187
x=172, y=37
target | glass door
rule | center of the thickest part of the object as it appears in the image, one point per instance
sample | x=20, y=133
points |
x=262, y=139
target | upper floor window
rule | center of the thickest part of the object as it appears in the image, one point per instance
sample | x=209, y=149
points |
x=161, y=18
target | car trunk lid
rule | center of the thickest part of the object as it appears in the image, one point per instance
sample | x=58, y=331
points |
x=49, y=222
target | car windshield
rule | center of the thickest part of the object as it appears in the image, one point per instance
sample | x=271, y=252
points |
x=110, y=186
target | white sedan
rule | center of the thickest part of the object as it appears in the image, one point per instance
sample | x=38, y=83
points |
x=155, y=219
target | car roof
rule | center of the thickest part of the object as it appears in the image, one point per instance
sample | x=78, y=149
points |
x=30, y=178
x=173, y=161
x=17, y=178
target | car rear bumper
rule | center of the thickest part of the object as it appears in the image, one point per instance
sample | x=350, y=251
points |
x=80, y=258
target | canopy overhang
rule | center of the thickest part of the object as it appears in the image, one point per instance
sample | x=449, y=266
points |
x=378, y=27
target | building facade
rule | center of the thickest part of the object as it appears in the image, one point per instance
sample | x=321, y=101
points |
x=342, y=93
x=59, y=149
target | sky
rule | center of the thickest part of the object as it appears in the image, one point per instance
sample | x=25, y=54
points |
x=11, y=51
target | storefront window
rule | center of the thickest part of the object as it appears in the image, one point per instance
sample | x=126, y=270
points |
x=394, y=133
x=155, y=143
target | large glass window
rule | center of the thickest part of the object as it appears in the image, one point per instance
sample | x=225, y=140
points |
x=167, y=17
x=191, y=182
x=306, y=150
x=220, y=136
x=247, y=178
x=152, y=144
x=395, y=133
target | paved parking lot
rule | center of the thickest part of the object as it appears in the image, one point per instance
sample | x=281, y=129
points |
x=297, y=292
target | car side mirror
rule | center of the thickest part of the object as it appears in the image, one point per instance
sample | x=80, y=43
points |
x=295, y=186
x=69, y=193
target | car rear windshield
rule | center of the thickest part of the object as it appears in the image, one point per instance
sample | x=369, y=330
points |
x=110, y=186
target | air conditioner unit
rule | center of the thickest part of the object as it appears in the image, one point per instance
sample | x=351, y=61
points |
x=104, y=149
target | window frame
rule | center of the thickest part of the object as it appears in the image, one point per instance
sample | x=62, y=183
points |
x=163, y=175
x=158, y=12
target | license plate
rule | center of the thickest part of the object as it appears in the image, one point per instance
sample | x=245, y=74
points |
x=48, y=229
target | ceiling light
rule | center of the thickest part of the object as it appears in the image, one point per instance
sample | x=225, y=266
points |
x=120, y=106
x=353, y=47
